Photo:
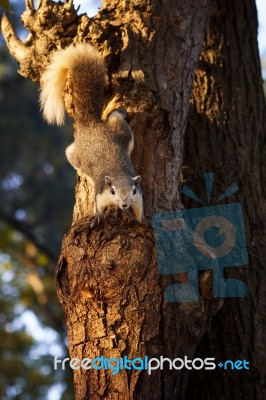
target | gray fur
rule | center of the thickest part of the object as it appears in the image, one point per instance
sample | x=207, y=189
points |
x=100, y=149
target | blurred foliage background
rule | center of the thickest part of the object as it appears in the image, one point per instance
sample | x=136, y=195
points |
x=36, y=202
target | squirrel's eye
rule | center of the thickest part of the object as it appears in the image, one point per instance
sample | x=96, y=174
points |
x=112, y=191
x=134, y=191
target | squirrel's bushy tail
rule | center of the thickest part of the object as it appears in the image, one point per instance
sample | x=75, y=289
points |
x=86, y=68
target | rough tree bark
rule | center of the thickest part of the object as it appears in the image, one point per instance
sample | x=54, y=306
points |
x=226, y=135
x=107, y=279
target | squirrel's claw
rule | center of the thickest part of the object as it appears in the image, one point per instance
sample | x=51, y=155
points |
x=95, y=219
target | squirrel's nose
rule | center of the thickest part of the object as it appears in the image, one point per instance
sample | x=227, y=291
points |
x=124, y=205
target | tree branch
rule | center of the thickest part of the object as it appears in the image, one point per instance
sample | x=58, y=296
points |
x=15, y=45
x=42, y=24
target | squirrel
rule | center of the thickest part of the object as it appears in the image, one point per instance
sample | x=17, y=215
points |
x=101, y=150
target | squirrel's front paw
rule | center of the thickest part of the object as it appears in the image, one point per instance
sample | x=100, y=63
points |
x=95, y=219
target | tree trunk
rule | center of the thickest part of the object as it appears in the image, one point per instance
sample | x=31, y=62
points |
x=107, y=278
x=226, y=135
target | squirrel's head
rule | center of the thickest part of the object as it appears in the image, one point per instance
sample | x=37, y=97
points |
x=123, y=191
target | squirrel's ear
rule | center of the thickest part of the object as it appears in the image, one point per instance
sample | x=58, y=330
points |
x=108, y=180
x=137, y=179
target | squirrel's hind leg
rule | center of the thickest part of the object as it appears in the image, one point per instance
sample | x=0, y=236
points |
x=116, y=121
x=72, y=156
